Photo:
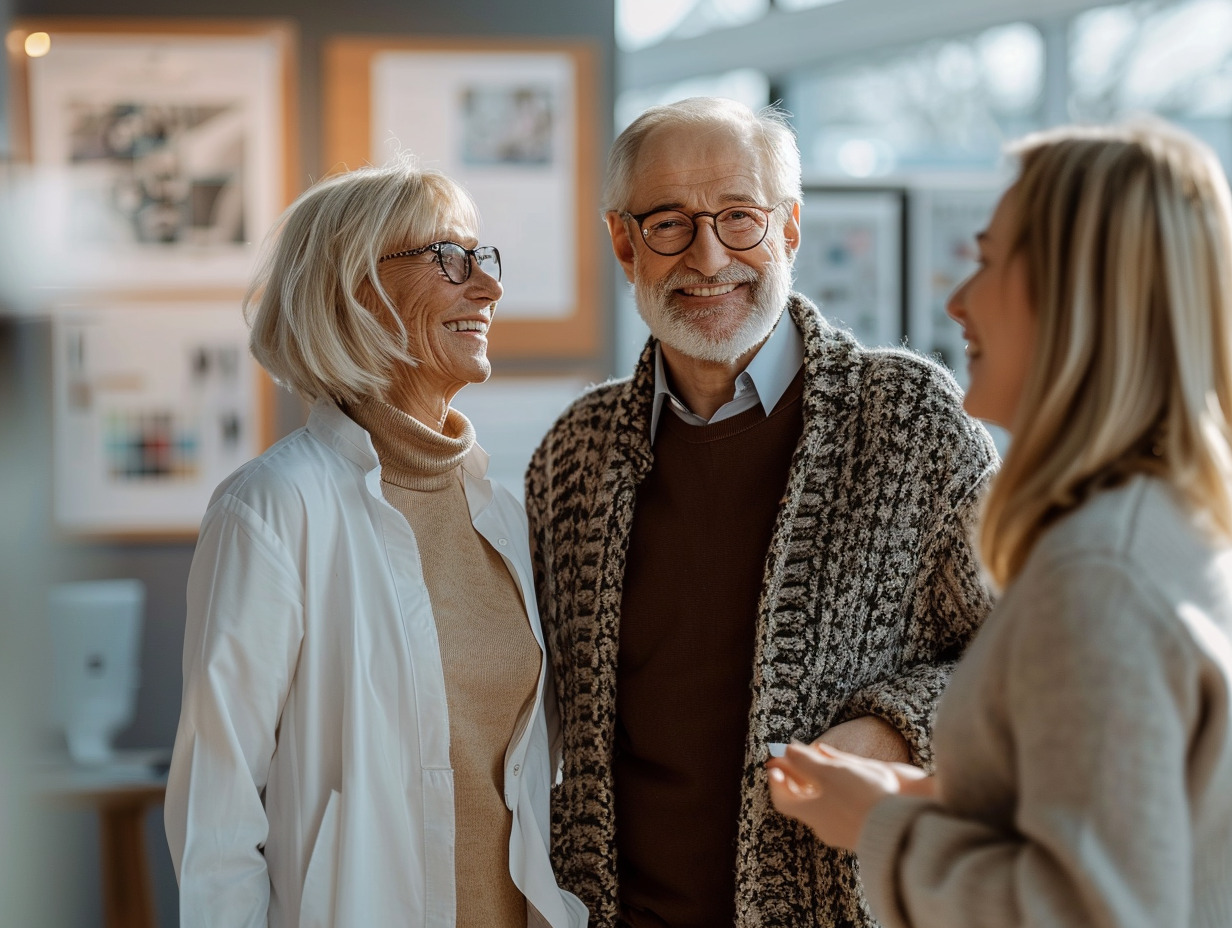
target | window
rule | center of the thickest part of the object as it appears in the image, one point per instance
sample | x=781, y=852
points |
x=1172, y=59
x=792, y=5
x=640, y=23
x=940, y=105
x=745, y=85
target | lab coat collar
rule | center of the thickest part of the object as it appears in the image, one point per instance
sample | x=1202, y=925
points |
x=328, y=423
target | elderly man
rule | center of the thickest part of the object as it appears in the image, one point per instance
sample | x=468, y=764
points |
x=762, y=535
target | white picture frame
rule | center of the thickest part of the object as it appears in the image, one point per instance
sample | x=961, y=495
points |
x=161, y=150
x=152, y=406
x=850, y=260
x=943, y=223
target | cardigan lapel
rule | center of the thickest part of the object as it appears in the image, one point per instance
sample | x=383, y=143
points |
x=787, y=632
x=622, y=465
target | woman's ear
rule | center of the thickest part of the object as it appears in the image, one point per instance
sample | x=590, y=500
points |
x=366, y=295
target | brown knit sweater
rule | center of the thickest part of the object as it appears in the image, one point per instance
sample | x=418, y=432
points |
x=489, y=654
x=697, y=552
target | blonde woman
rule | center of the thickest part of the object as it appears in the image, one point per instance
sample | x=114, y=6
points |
x=1084, y=746
x=366, y=727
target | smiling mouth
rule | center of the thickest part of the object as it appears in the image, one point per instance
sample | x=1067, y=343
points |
x=708, y=291
x=468, y=325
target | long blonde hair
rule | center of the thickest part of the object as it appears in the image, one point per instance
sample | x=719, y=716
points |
x=1127, y=236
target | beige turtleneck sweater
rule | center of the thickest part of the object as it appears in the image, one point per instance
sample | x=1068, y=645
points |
x=489, y=654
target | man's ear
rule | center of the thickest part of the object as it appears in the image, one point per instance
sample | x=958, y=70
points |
x=622, y=244
x=791, y=229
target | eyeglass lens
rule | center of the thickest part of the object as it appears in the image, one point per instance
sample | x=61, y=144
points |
x=670, y=232
x=455, y=261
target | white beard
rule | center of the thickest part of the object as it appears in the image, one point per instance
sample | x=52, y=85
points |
x=768, y=291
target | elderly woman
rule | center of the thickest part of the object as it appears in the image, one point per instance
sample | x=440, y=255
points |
x=1084, y=747
x=365, y=732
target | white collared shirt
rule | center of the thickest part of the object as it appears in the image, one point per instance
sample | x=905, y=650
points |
x=764, y=381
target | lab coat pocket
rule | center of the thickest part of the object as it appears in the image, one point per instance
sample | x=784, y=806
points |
x=317, y=898
x=537, y=767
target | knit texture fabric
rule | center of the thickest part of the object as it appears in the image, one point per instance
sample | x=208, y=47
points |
x=488, y=652
x=871, y=591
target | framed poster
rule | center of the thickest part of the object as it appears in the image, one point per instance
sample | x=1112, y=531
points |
x=850, y=261
x=162, y=149
x=943, y=223
x=513, y=124
x=153, y=405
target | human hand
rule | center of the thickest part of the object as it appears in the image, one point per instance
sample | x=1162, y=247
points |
x=868, y=736
x=833, y=791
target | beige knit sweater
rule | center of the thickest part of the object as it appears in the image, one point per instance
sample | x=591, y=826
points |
x=490, y=657
x=1084, y=746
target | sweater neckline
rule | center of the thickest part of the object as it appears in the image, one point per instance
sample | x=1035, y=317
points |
x=412, y=455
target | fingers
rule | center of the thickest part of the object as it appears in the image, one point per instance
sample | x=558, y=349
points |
x=816, y=760
x=807, y=765
x=789, y=796
x=828, y=790
x=787, y=778
x=912, y=781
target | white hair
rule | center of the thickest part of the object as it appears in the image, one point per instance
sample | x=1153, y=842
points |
x=767, y=130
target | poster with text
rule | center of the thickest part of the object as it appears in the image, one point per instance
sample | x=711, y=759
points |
x=153, y=406
x=850, y=261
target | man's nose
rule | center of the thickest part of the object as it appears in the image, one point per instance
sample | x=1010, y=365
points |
x=707, y=255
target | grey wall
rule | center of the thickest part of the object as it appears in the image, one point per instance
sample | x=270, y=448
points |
x=164, y=567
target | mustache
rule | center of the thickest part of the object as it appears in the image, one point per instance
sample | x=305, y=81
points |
x=735, y=273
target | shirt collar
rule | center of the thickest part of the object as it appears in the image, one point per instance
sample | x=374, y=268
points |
x=768, y=374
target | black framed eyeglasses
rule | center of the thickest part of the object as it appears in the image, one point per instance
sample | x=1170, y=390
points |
x=455, y=261
x=669, y=232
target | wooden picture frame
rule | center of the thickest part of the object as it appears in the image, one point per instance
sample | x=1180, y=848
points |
x=162, y=150
x=151, y=408
x=851, y=260
x=514, y=123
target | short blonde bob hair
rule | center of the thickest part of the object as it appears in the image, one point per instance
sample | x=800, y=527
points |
x=322, y=324
x=1127, y=236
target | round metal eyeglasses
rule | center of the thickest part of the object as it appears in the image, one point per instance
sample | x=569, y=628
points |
x=455, y=261
x=669, y=232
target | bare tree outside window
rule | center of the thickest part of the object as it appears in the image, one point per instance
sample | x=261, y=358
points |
x=947, y=104
x=1174, y=59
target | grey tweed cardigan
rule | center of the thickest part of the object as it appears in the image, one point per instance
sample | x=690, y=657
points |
x=871, y=591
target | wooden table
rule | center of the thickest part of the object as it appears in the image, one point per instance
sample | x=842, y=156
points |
x=121, y=794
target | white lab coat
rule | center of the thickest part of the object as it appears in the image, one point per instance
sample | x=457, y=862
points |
x=311, y=784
